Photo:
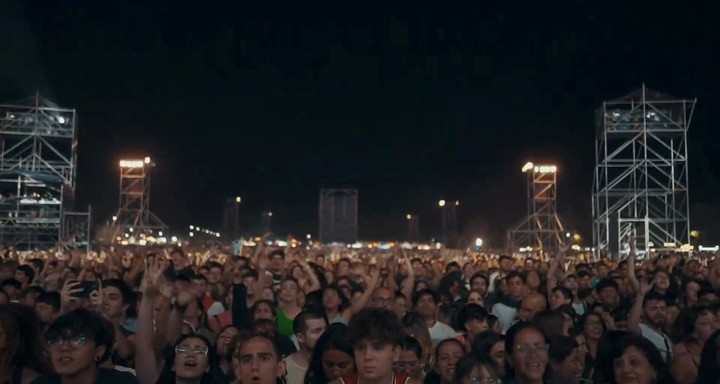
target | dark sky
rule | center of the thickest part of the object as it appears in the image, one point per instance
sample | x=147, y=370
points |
x=406, y=108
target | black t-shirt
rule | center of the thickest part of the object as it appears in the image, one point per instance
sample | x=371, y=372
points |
x=105, y=376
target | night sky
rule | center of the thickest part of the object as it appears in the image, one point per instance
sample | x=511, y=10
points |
x=406, y=108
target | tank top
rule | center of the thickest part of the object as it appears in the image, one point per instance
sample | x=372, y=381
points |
x=398, y=378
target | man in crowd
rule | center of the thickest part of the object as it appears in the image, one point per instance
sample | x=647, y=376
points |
x=425, y=302
x=308, y=326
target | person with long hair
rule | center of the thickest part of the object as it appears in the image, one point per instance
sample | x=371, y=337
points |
x=709, y=367
x=694, y=327
x=640, y=362
x=332, y=358
x=566, y=365
x=23, y=357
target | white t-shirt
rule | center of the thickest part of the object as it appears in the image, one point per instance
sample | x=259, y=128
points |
x=661, y=341
x=441, y=331
x=295, y=373
x=505, y=314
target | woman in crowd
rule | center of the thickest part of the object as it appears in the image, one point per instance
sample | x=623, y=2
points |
x=492, y=345
x=527, y=354
x=593, y=327
x=447, y=354
x=709, y=367
x=472, y=369
x=23, y=357
x=695, y=326
x=640, y=362
x=566, y=365
x=410, y=361
x=332, y=358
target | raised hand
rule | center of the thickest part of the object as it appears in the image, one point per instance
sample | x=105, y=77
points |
x=69, y=289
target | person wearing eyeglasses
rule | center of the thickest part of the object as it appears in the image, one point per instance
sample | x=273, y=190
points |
x=79, y=343
x=473, y=369
x=410, y=360
x=194, y=356
x=527, y=354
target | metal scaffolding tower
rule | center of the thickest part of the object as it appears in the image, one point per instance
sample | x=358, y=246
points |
x=413, y=229
x=231, y=218
x=338, y=216
x=38, y=158
x=449, y=225
x=640, y=186
x=541, y=231
x=134, y=218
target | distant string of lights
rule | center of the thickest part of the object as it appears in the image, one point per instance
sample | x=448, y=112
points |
x=196, y=229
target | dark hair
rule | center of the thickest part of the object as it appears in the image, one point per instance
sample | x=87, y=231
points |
x=167, y=376
x=24, y=343
x=685, y=324
x=28, y=271
x=83, y=322
x=375, y=324
x=708, y=369
x=606, y=283
x=653, y=296
x=11, y=283
x=514, y=275
x=277, y=252
x=469, y=313
x=483, y=343
x=32, y=289
x=300, y=321
x=129, y=297
x=424, y=292
x=479, y=275
x=260, y=302
x=50, y=298
x=468, y=362
x=561, y=347
x=609, y=348
x=510, y=337
x=200, y=277
x=413, y=345
x=332, y=339
x=583, y=319
x=551, y=322
x=564, y=291
x=652, y=354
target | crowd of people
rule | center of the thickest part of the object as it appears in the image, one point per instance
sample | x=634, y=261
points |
x=160, y=315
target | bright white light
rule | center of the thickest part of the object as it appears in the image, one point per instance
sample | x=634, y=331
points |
x=114, y=218
x=147, y=160
x=282, y=243
x=61, y=119
x=238, y=199
x=409, y=216
x=131, y=230
x=567, y=234
x=160, y=233
x=174, y=239
x=528, y=166
x=192, y=227
x=308, y=236
x=478, y=242
x=270, y=214
x=217, y=235
x=441, y=203
x=457, y=203
x=131, y=164
x=545, y=169
x=191, y=234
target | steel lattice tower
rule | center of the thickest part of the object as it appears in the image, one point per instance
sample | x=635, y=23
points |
x=640, y=186
x=541, y=230
x=38, y=158
x=338, y=215
x=134, y=217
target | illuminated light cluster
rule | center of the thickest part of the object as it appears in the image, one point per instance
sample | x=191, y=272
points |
x=529, y=166
x=195, y=228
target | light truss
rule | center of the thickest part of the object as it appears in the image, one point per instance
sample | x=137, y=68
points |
x=541, y=231
x=38, y=157
x=338, y=216
x=640, y=186
x=134, y=218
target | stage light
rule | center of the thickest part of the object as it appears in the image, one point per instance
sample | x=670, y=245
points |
x=132, y=163
x=441, y=203
x=238, y=199
x=478, y=242
x=528, y=166
x=545, y=169
x=147, y=160
x=409, y=216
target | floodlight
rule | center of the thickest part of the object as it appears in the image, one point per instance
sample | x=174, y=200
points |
x=147, y=160
x=238, y=199
x=409, y=216
x=131, y=164
x=441, y=203
x=528, y=166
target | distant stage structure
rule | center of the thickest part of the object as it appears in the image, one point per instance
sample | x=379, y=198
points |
x=640, y=186
x=338, y=213
x=541, y=231
x=134, y=218
x=38, y=162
